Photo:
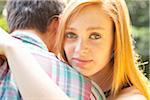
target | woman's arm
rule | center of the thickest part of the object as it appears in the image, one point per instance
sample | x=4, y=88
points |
x=31, y=80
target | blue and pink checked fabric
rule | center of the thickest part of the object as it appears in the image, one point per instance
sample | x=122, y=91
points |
x=8, y=88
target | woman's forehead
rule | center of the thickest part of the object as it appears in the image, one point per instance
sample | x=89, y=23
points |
x=93, y=12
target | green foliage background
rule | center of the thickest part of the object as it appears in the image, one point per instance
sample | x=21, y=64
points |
x=139, y=13
x=3, y=23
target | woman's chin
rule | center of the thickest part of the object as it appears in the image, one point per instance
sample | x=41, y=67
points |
x=84, y=72
x=87, y=74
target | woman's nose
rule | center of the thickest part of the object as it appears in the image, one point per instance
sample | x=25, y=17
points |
x=81, y=47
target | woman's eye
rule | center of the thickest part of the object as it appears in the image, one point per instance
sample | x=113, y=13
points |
x=71, y=35
x=95, y=36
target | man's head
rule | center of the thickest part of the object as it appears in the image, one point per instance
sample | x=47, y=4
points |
x=34, y=15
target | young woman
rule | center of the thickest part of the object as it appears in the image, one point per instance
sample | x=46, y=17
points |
x=34, y=22
x=95, y=38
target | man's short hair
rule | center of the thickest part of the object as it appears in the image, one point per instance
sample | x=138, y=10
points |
x=32, y=14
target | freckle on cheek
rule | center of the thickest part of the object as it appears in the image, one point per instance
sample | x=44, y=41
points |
x=69, y=51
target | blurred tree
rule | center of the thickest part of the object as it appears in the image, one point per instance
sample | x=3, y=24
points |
x=139, y=13
x=2, y=4
x=3, y=22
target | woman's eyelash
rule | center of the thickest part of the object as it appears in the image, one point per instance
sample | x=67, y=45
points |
x=71, y=35
x=95, y=36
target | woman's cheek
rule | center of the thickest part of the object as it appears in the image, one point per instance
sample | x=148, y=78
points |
x=69, y=50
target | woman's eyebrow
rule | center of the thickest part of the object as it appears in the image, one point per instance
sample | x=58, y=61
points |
x=70, y=28
x=94, y=28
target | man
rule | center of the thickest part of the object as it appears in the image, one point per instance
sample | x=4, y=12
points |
x=35, y=23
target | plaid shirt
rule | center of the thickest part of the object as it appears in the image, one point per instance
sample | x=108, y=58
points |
x=69, y=80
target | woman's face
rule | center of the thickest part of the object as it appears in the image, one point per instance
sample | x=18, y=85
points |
x=89, y=40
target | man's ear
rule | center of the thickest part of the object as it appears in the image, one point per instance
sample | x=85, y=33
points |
x=52, y=28
x=53, y=25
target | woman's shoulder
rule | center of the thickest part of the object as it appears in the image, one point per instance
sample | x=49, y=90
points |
x=130, y=93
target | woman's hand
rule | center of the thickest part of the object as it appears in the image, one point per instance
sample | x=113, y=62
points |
x=6, y=41
x=3, y=41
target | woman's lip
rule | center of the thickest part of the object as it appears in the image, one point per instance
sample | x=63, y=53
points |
x=80, y=62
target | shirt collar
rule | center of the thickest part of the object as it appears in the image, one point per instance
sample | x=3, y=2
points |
x=30, y=37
